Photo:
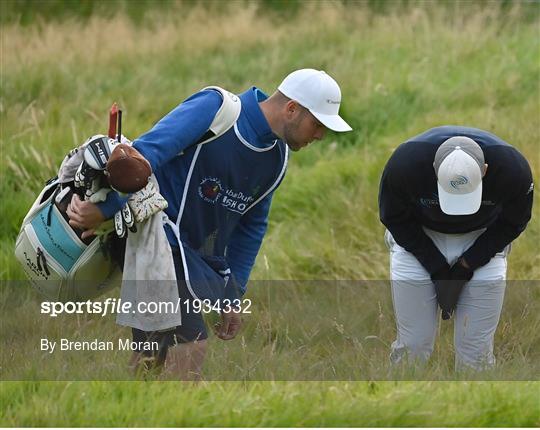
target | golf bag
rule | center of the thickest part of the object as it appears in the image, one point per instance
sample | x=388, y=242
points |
x=61, y=265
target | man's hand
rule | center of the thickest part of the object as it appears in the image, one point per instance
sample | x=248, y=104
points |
x=229, y=326
x=441, y=281
x=461, y=271
x=449, y=283
x=84, y=215
x=460, y=274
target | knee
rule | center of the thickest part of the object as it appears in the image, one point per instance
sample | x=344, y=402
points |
x=199, y=347
x=418, y=349
x=195, y=349
x=421, y=349
x=475, y=353
x=185, y=360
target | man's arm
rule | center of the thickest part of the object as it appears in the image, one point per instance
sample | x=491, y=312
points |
x=396, y=214
x=174, y=133
x=246, y=241
x=511, y=222
x=179, y=129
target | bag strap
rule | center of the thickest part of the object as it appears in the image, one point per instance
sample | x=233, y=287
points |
x=226, y=116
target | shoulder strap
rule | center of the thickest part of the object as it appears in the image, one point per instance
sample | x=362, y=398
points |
x=225, y=117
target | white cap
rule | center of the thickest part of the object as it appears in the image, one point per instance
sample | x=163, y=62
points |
x=317, y=92
x=459, y=165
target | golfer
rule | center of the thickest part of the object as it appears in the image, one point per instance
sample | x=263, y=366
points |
x=452, y=199
x=219, y=193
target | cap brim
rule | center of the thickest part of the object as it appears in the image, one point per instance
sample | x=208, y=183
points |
x=333, y=122
x=460, y=204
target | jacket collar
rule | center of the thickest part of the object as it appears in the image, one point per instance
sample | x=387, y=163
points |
x=254, y=115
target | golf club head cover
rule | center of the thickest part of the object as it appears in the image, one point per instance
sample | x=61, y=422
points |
x=127, y=170
x=98, y=151
x=84, y=179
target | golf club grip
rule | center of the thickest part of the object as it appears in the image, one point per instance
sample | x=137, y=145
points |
x=119, y=126
x=113, y=115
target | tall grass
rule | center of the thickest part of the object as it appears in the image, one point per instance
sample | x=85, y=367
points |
x=401, y=72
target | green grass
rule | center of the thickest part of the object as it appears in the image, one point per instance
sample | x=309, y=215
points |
x=276, y=404
x=402, y=71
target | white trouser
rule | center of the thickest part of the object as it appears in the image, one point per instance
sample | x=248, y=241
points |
x=415, y=303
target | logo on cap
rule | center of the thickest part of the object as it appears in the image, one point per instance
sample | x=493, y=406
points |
x=460, y=180
x=317, y=92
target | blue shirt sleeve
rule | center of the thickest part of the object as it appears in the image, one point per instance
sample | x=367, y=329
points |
x=246, y=241
x=179, y=129
x=112, y=204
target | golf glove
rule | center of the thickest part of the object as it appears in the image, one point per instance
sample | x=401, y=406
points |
x=146, y=202
x=124, y=221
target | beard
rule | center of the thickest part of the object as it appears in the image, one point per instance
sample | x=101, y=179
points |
x=290, y=135
x=293, y=145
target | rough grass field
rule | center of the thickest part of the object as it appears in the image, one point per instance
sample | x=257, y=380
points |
x=401, y=72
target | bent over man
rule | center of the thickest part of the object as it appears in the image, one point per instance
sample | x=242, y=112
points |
x=219, y=193
x=452, y=199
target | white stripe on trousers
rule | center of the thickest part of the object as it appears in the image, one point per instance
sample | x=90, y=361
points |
x=415, y=304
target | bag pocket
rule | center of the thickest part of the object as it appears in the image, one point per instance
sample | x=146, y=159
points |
x=44, y=272
x=93, y=274
x=43, y=199
x=57, y=237
x=48, y=248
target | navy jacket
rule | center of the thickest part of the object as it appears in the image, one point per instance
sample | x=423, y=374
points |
x=408, y=198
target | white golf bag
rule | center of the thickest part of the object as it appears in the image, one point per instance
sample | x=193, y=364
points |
x=58, y=263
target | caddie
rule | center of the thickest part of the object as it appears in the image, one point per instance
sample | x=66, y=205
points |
x=452, y=199
x=219, y=193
